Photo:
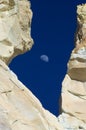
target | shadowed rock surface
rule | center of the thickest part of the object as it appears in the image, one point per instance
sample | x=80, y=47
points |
x=74, y=84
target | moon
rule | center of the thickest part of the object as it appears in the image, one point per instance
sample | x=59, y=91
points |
x=44, y=58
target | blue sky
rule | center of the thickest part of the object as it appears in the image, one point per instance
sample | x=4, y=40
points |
x=53, y=28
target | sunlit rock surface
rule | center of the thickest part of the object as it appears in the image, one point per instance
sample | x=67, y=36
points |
x=15, y=26
x=19, y=108
x=74, y=85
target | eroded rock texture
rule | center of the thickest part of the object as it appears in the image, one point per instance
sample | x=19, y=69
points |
x=74, y=84
x=15, y=26
x=19, y=108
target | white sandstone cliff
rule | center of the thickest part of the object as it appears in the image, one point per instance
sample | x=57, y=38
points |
x=74, y=85
x=15, y=26
x=19, y=108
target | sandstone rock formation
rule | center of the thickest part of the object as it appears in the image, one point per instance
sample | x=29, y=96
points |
x=19, y=108
x=15, y=26
x=74, y=85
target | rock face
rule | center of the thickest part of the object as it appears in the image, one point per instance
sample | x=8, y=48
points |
x=74, y=85
x=15, y=26
x=19, y=108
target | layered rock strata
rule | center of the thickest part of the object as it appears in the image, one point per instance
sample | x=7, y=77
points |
x=74, y=84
